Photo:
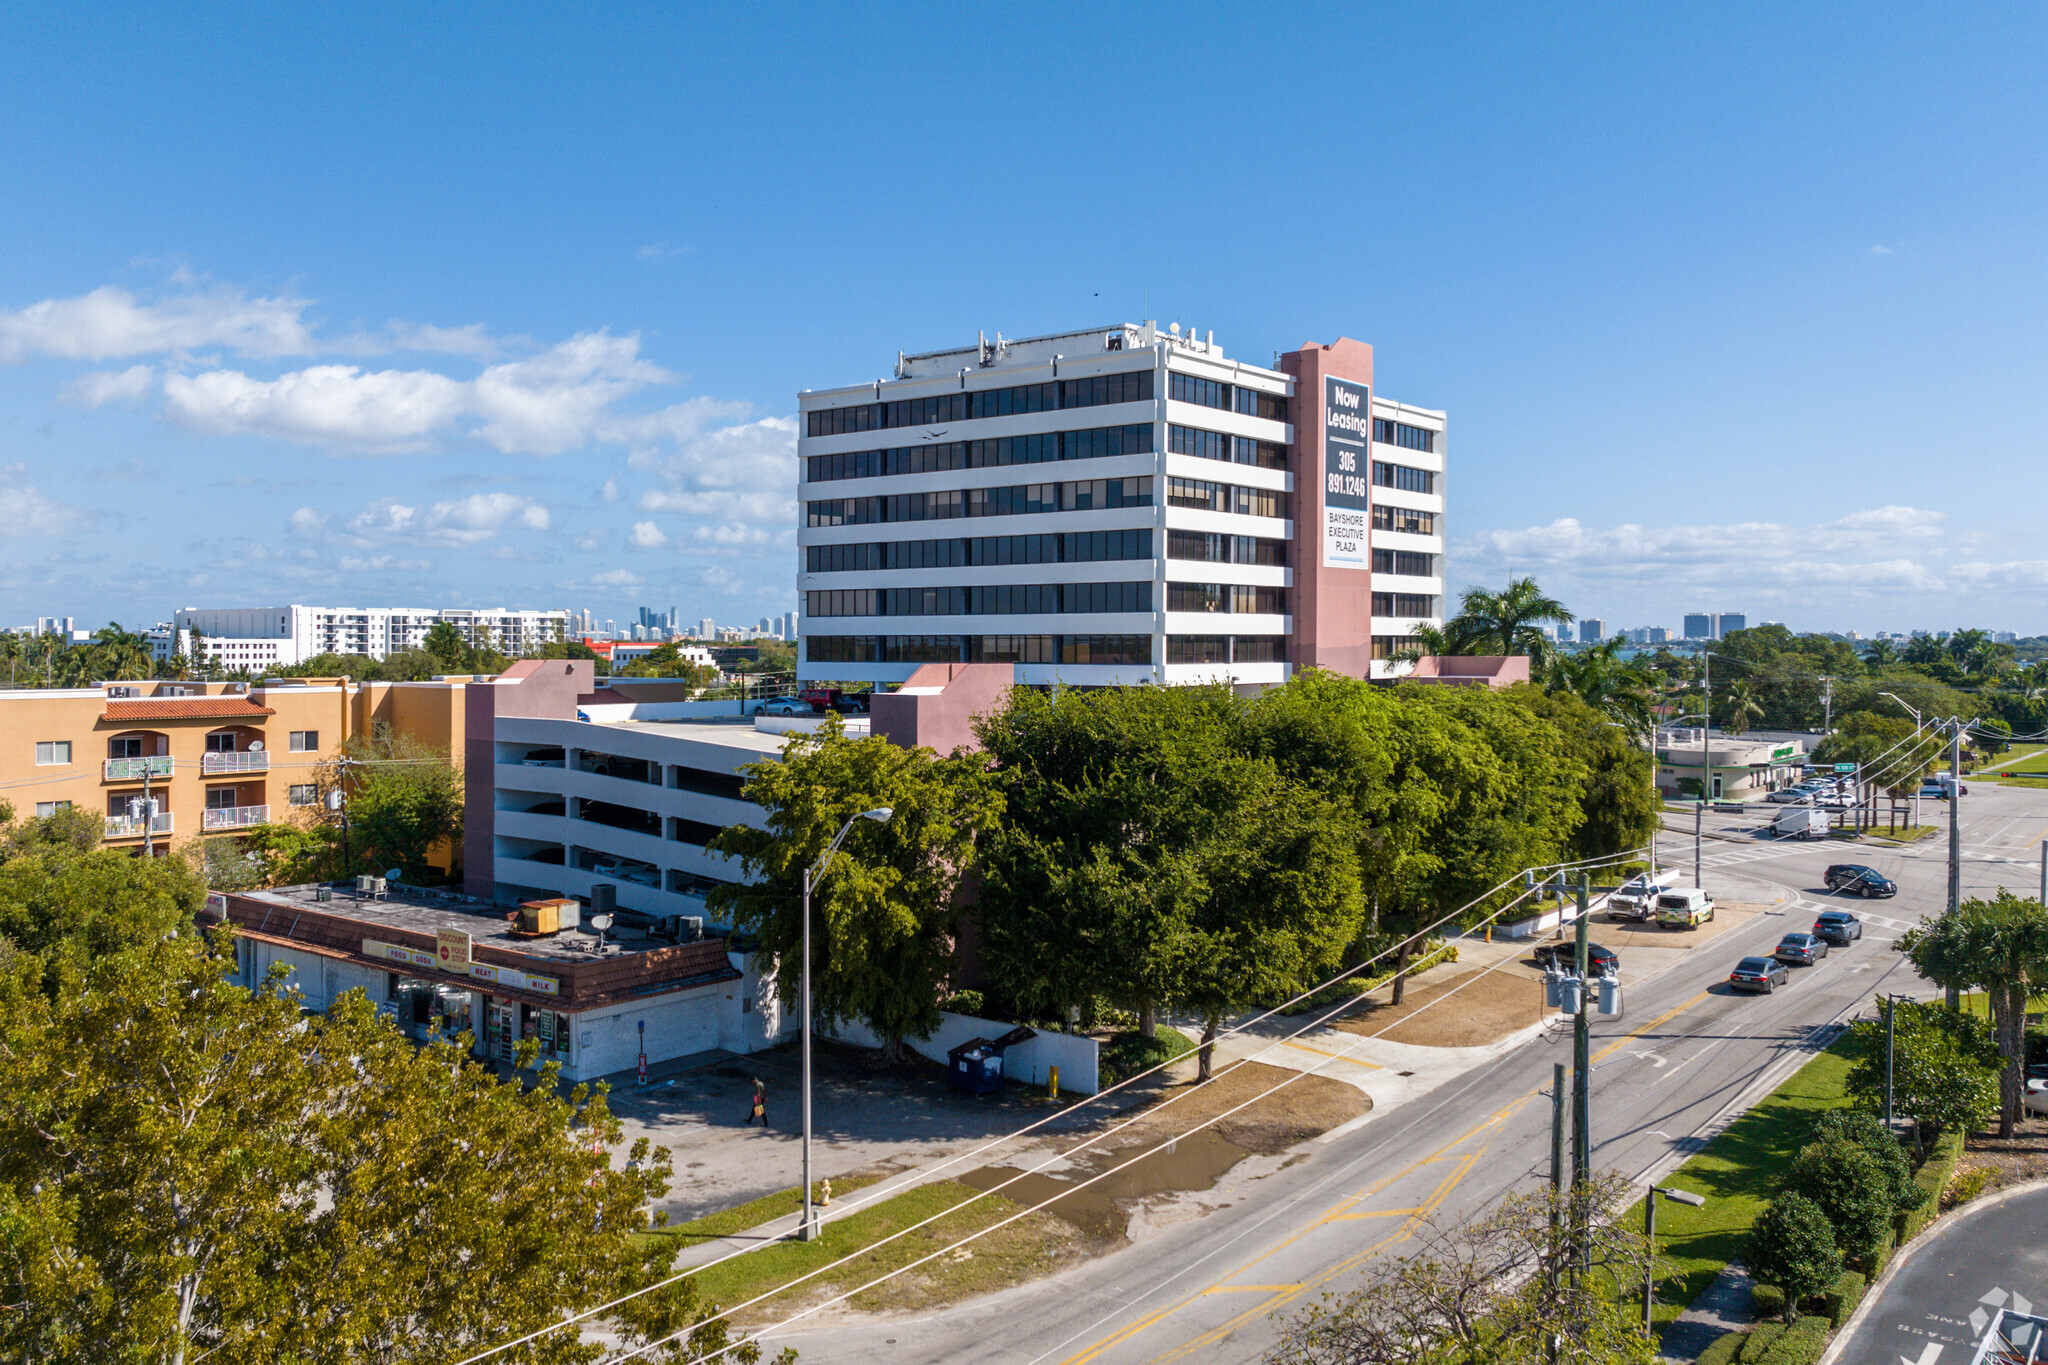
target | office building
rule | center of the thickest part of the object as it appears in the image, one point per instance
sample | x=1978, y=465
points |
x=259, y=637
x=1204, y=518
x=1649, y=635
x=1701, y=625
x=1592, y=630
x=1728, y=622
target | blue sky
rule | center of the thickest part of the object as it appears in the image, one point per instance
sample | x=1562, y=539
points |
x=1732, y=307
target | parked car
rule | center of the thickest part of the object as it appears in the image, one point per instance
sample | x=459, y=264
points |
x=1685, y=907
x=1834, y=801
x=1853, y=879
x=1801, y=950
x=2035, y=1100
x=1636, y=899
x=1600, y=961
x=1790, y=796
x=1838, y=927
x=1759, y=974
x=784, y=706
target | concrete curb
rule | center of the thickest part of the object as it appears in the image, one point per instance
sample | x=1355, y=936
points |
x=1911, y=1249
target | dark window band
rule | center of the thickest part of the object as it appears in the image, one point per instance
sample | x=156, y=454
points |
x=1403, y=604
x=1042, y=448
x=1131, y=386
x=1226, y=649
x=1403, y=477
x=1225, y=597
x=1391, y=433
x=980, y=599
x=1057, y=547
x=947, y=649
x=1012, y=500
x=1414, y=562
x=1211, y=547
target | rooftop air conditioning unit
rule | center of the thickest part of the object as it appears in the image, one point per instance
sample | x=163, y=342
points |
x=365, y=884
x=611, y=950
x=604, y=898
x=323, y=893
x=693, y=928
x=379, y=886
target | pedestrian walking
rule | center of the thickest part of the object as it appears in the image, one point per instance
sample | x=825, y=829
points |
x=758, y=1107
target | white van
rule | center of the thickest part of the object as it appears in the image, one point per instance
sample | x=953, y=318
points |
x=1801, y=822
x=1684, y=908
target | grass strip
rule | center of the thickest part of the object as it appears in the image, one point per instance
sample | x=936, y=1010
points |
x=1029, y=1247
x=752, y=1214
x=1740, y=1172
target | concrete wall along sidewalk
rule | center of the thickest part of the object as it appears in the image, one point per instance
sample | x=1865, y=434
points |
x=1029, y=1062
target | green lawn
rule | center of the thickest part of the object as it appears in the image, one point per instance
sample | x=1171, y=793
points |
x=1026, y=1248
x=755, y=1212
x=1739, y=1172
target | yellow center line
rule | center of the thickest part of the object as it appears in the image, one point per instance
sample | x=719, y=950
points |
x=1251, y=1288
x=1337, y=1056
x=1343, y=1212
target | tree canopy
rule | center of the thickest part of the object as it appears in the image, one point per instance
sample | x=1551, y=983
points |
x=885, y=913
x=1999, y=946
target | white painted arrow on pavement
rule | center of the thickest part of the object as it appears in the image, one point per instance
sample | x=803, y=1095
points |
x=1928, y=1355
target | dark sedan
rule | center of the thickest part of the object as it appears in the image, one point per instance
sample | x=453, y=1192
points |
x=1801, y=950
x=1838, y=927
x=1854, y=879
x=1602, y=961
x=1760, y=974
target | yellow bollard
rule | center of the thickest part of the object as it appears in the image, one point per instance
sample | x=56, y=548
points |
x=1052, y=1087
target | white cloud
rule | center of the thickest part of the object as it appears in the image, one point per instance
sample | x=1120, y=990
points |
x=359, y=564
x=732, y=533
x=647, y=536
x=388, y=410
x=597, y=583
x=660, y=251
x=1880, y=251
x=742, y=475
x=471, y=340
x=460, y=523
x=110, y=322
x=1874, y=559
x=126, y=471
x=554, y=401
x=306, y=521
x=101, y=387
x=26, y=511
x=610, y=491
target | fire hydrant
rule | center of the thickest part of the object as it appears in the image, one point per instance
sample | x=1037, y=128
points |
x=825, y=1191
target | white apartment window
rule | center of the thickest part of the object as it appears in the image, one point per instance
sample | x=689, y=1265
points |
x=303, y=794
x=304, y=741
x=53, y=752
x=47, y=808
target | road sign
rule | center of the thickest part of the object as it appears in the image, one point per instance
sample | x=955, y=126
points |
x=1845, y=767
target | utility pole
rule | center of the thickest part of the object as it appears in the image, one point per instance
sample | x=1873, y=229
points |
x=1891, y=1035
x=1955, y=848
x=1827, y=702
x=1582, y=1079
x=1556, y=1170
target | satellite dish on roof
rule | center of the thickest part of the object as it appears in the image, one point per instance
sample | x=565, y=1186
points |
x=600, y=922
x=255, y=746
x=395, y=874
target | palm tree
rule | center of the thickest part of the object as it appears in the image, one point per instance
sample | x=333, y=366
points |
x=118, y=653
x=1625, y=690
x=1742, y=707
x=1505, y=622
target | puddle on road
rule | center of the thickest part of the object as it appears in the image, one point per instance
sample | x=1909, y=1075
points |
x=1194, y=1162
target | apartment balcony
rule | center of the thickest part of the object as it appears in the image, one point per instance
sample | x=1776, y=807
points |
x=236, y=817
x=255, y=761
x=131, y=826
x=135, y=769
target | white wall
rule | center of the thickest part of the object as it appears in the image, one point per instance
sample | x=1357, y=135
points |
x=678, y=1024
x=1031, y=1062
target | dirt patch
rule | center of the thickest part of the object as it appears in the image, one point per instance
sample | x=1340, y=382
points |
x=1309, y=1107
x=2008, y=1161
x=1510, y=998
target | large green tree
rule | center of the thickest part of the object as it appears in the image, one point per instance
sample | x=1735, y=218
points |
x=1153, y=855
x=1999, y=946
x=1945, y=1068
x=192, y=1171
x=1792, y=1245
x=68, y=900
x=1624, y=690
x=1505, y=622
x=885, y=917
x=1618, y=796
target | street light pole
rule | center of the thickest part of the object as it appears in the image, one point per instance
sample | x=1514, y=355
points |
x=1582, y=1077
x=808, y=1229
x=1650, y=1233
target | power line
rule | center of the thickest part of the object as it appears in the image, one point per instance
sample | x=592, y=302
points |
x=856, y=1203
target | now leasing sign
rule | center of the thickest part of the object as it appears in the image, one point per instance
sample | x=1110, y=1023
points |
x=1347, y=469
x=509, y=977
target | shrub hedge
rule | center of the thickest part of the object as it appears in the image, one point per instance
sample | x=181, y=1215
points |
x=1933, y=1177
x=1843, y=1298
x=1767, y=1301
x=1723, y=1350
x=1761, y=1338
x=1800, y=1344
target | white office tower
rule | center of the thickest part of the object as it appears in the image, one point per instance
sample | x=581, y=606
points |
x=1120, y=505
x=282, y=636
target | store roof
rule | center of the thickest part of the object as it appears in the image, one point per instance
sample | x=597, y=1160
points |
x=185, y=708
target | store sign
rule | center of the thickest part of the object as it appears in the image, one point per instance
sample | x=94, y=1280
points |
x=392, y=952
x=1347, y=474
x=452, y=946
x=509, y=977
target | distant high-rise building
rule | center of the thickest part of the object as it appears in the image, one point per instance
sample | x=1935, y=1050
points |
x=789, y=625
x=707, y=629
x=1592, y=630
x=1728, y=621
x=1699, y=625
x=764, y=627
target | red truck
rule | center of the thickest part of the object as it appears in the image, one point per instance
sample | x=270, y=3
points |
x=824, y=699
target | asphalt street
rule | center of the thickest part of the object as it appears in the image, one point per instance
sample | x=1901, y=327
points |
x=1939, y=1303
x=1685, y=1058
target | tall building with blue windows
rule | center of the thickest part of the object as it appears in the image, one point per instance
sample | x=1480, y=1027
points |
x=1117, y=505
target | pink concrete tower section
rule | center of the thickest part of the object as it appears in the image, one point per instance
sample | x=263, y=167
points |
x=1332, y=522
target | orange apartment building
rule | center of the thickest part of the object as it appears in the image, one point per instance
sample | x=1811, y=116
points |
x=216, y=757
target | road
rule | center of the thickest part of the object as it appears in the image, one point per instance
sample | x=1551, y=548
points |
x=1684, y=1060
x=1936, y=1306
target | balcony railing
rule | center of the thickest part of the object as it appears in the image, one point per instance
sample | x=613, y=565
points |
x=257, y=761
x=131, y=826
x=132, y=769
x=236, y=817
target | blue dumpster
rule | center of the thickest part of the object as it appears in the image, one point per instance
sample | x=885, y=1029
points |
x=976, y=1066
